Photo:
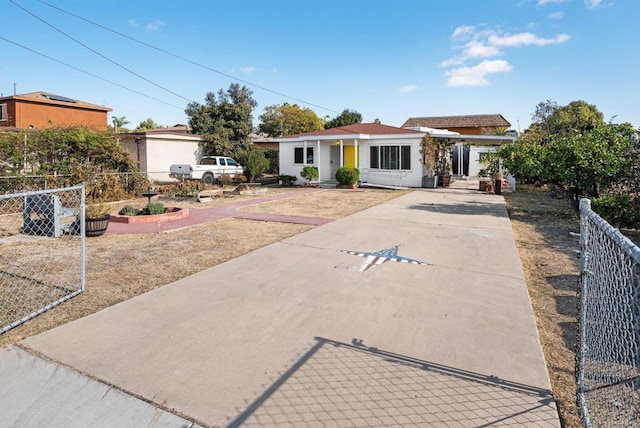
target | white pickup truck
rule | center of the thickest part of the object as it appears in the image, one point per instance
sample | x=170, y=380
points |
x=208, y=170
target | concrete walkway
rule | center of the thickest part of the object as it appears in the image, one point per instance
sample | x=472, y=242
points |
x=296, y=334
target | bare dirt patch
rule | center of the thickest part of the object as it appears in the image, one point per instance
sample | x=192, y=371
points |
x=541, y=227
x=120, y=267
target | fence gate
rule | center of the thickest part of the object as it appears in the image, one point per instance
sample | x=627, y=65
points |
x=608, y=360
x=42, y=256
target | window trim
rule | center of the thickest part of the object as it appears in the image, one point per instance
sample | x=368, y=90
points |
x=388, y=155
x=4, y=114
x=310, y=151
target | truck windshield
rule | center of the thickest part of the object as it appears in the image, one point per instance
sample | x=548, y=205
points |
x=231, y=162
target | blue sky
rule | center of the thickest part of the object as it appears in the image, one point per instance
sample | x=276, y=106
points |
x=389, y=60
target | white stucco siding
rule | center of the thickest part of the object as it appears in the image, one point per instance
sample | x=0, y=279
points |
x=162, y=152
x=411, y=177
x=474, y=158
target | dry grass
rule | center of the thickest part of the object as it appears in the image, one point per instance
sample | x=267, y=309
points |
x=120, y=267
x=541, y=227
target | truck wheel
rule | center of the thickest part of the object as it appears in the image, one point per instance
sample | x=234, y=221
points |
x=208, y=178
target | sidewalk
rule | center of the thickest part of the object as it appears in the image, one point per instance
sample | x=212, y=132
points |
x=297, y=333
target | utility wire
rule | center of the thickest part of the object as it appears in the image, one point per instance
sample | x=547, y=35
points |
x=186, y=59
x=99, y=54
x=89, y=73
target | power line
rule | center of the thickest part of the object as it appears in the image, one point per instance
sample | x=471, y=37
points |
x=89, y=73
x=99, y=54
x=186, y=59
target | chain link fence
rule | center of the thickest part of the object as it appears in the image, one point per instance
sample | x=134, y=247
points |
x=42, y=252
x=608, y=359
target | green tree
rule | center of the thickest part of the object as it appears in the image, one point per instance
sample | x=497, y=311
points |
x=540, y=117
x=254, y=161
x=582, y=164
x=147, y=124
x=287, y=119
x=119, y=123
x=347, y=117
x=578, y=116
x=224, y=122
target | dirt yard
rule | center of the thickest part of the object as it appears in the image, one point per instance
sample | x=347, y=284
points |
x=541, y=227
x=120, y=267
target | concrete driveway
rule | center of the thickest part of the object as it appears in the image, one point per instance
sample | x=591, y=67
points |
x=296, y=334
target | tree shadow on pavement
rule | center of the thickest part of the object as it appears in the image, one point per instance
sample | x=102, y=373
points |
x=466, y=208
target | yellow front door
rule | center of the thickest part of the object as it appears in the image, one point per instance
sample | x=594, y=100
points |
x=350, y=156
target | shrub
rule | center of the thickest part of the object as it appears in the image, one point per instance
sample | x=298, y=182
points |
x=287, y=180
x=96, y=210
x=619, y=210
x=153, y=208
x=128, y=210
x=346, y=175
x=255, y=163
x=226, y=179
x=309, y=173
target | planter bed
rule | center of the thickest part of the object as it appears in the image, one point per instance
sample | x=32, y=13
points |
x=173, y=214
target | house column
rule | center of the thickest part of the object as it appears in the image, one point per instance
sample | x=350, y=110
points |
x=304, y=153
x=356, y=159
x=317, y=156
x=341, y=154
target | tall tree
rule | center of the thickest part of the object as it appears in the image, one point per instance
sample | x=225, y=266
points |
x=119, y=123
x=551, y=119
x=540, y=117
x=287, y=119
x=147, y=124
x=577, y=116
x=347, y=117
x=224, y=122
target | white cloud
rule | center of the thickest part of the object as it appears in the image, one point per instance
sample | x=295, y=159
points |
x=524, y=39
x=485, y=45
x=476, y=49
x=407, y=88
x=543, y=2
x=248, y=70
x=462, y=31
x=557, y=15
x=475, y=76
x=155, y=25
x=132, y=22
x=592, y=4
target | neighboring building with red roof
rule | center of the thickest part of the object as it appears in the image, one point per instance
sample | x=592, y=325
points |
x=47, y=110
x=475, y=124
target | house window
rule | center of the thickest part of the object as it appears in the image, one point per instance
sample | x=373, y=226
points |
x=298, y=155
x=3, y=112
x=390, y=157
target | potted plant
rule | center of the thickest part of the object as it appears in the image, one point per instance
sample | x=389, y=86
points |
x=347, y=177
x=428, y=150
x=309, y=173
x=484, y=180
x=96, y=219
x=443, y=162
x=492, y=172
